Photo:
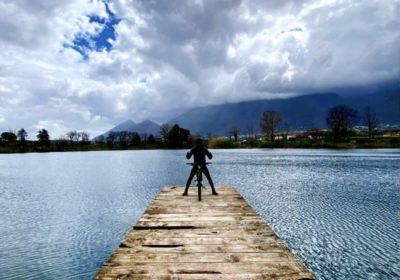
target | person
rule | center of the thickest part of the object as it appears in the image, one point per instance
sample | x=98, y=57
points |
x=199, y=153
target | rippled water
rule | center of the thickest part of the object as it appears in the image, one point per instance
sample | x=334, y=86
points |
x=62, y=214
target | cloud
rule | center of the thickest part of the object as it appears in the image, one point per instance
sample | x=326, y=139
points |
x=87, y=65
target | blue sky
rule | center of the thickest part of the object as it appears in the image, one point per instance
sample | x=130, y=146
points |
x=90, y=64
x=84, y=43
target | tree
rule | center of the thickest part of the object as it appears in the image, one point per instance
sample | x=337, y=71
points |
x=43, y=137
x=22, y=135
x=286, y=130
x=111, y=137
x=269, y=122
x=151, y=139
x=144, y=137
x=234, y=133
x=164, y=132
x=178, y=137
x=135, y=140
x=85, y=136
x=71, y=135
x=123, y=137
x=9, y=137
x=340, y=120
x=77, y=136
x=250, y=132
x=370, y=120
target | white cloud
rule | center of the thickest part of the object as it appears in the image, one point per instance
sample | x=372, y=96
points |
x=172, y=55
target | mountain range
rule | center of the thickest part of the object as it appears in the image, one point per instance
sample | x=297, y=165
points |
x=298, y=113
x=146, y=127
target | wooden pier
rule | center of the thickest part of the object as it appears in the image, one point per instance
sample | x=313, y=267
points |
x=221, y=237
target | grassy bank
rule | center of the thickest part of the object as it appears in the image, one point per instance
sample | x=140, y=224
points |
x=214, y=143
x=351, y=143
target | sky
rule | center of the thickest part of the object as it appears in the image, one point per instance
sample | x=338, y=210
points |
x=90, y=64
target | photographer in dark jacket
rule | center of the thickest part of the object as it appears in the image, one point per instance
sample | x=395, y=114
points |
x=199, y=153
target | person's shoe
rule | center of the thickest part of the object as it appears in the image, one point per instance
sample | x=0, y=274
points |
x=184, y=194
x=215, y=193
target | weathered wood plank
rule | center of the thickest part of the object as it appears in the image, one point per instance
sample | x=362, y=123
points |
x=223, y=248
x=268, y=268
x=126, y=259
x=221, y=237
x=196, y=232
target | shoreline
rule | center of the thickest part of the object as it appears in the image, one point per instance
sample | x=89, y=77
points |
x=338, y=146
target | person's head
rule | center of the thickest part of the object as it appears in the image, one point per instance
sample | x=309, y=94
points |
x=199, y=141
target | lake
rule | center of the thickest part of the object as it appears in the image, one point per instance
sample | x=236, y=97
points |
x=62, y=214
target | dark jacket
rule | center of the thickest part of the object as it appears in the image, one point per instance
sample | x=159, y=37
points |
x=199, y=154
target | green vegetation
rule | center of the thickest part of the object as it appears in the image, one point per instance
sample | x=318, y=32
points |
x=358, y=141
x=355, y=141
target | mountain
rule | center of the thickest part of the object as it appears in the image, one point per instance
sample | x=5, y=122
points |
x=299, y=113
x=124, y=126
x=146, y=127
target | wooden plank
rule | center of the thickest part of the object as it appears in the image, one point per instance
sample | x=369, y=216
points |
x=220, y=237
x=223, y=248
x=267, y=268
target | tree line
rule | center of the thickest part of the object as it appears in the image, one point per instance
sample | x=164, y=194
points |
x=19, y=141
x=170, y=136
x=340, y=120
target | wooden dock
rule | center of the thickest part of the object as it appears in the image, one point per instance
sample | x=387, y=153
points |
x=221, y=237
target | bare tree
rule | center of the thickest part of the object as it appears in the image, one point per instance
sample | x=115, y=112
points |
x=341, y=120
x=250, y=132
x=269, y=122
x=77, y=136
x=234, y=133
x=370, y=120
x=286, y=130
x=85, y=136
x=71, y=135
x=164, y=132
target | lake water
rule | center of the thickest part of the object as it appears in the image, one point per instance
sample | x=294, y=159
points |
x=62, y=214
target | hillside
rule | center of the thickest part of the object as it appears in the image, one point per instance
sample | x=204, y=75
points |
x=299, y=113
x=146, y=127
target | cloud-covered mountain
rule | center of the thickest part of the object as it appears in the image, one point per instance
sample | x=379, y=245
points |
x=147, y=127
x=128, y=125
x=299, y=113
